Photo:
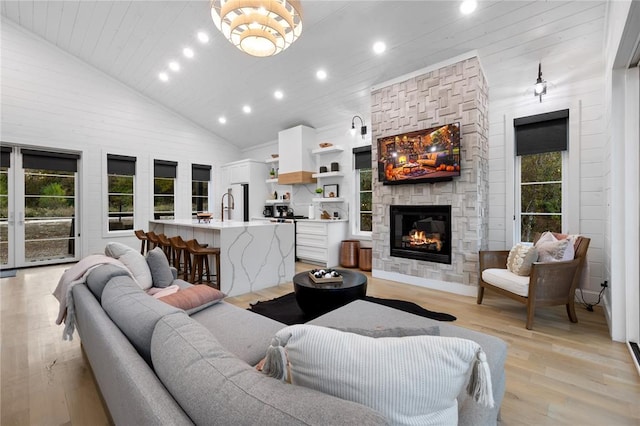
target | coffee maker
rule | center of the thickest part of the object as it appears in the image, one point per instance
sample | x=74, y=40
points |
x=268, y=211
x=281, y=211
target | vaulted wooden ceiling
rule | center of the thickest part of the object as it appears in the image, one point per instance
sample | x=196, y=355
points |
x=132, y=41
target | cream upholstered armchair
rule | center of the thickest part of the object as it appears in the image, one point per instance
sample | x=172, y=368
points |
x=548, y=284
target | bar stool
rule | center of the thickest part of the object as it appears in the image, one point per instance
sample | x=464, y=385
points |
x=180, y=252
x=200, y=262
x=143, y=240
x=153, y=240
x=165, y=245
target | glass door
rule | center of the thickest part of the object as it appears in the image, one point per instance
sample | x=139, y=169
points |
x=6, y=237
x=39, y=223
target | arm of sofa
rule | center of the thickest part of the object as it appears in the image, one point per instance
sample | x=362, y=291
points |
x=131, y=390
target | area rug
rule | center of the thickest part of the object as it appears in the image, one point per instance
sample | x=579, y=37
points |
x=8, y=273
x=285, y=309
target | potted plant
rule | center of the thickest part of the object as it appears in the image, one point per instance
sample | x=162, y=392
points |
x=272, y=173
x=319, y=191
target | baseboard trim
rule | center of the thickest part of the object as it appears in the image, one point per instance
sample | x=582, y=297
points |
x=449, y=287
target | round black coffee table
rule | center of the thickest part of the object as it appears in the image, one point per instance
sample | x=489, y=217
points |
x=319, y=298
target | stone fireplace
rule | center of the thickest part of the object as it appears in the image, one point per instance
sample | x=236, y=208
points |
x=453, y=91
x=421, y=232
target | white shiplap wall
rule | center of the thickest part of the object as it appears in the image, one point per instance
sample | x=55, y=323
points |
x=54, y=101
x=587, y=155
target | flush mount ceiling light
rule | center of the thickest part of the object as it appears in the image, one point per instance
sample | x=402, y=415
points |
x=541, y=85
x=379, y=47
x=363, y=128
x=258, y=27
x=468, y=6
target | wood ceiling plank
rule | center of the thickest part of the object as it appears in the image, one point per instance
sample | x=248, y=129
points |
x=80, y=28
x=54, y=13
x=106, y=51
x=97, y=23
x=26, y=13
x=68, y=21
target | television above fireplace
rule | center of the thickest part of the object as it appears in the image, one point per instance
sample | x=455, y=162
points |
x=430, y=155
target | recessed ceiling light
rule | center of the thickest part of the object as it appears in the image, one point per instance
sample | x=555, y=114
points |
x=188, y=52
x=278, y=94
x=321, y=75
x=379, y=47
x=246, y=109
x=203, y=37
x=163, y=76
x=174, y=66
x=222, y=120
x=468, y=6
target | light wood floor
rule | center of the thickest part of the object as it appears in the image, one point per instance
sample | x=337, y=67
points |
x=558, y=373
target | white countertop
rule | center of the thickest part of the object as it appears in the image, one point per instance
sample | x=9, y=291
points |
x=214, y=223
x=267, y=219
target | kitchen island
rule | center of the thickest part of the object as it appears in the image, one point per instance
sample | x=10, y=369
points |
x=253, y=255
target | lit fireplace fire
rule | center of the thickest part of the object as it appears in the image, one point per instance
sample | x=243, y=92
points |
x=418, y=238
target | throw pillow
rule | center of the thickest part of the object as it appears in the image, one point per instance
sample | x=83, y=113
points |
x=194, y=298
x=133, y=260
x=159, y=292
x=552, y=251
x=554, y=247
x=411, y=380
x=520, y=259
x=116, y=250
x=159, y=268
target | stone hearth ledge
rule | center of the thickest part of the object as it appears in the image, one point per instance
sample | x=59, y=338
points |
x=253, y=255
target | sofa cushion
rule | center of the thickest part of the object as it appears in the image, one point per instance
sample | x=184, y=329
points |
x=243, y=333
x=194, y=298
x=159, y=268
x=377, y=333
x=100, y=276
x=214, y=386
x=507, y=280
x=412, y=380
x=520, y=259
x=134, y=312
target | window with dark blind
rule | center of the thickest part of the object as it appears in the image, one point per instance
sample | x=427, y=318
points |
x=121, y=170
x=200, y=181
x=364, y=189
x=164, y=182
x=540, y=142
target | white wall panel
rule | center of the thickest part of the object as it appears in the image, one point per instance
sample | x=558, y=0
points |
x=52, y=100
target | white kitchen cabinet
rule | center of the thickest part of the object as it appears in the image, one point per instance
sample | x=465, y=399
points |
x=318, y=241
x=238, y=172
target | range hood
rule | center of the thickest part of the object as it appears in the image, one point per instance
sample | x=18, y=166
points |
x=295, y=161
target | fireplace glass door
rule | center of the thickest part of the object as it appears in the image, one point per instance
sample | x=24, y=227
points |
x=421, y=232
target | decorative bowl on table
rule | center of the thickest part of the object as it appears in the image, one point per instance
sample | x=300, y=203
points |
x=325, y=144
x=325, y=276
x=204, y=217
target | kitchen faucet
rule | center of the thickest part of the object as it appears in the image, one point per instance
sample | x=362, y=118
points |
x=229, y=200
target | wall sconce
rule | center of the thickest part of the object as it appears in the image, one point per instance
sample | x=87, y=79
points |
x=363, y=128
x=541, y=85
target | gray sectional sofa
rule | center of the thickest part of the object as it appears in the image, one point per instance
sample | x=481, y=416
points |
x=154, y=364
